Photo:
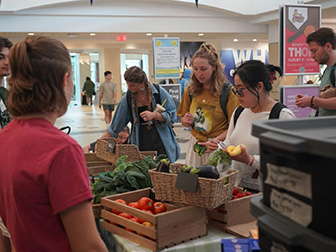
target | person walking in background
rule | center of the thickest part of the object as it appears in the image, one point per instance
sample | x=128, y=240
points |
x=186, y=79
x=204, y=112
x=253, y=82
x=44, y=178
x=5, y=45
x=89, y=90
x=322, y=46
x=108, y=96
x=151, y=130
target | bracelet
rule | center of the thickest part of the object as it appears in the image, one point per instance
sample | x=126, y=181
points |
x=312, y=101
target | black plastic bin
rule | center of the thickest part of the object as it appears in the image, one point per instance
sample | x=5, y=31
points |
x=298, y=166
x=278, y=233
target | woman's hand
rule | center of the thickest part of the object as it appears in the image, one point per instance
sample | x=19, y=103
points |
x=87, y=148
x=211, y=145
x=187, y=120
x=148, y=115
x=243, y=157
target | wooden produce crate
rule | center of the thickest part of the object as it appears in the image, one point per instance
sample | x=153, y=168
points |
x=96, y=170
x=91, y=159
x=233, y=217
x=178, y=224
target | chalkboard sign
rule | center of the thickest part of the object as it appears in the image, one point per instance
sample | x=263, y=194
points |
x=175, y=93
x=287, y=97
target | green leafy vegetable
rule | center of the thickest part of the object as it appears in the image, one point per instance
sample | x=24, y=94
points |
x=200, y=149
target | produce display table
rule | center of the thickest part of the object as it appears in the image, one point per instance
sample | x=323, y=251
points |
x=210, y=242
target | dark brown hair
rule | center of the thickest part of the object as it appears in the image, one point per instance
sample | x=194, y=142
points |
x=135, y=74
x=38, y=65
x=4, y=42
x=208, y=51
x=322, y=36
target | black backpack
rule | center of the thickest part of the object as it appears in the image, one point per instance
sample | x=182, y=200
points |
x=332, y=75
x=129, y=100
x=224, y=97
x=275, y=112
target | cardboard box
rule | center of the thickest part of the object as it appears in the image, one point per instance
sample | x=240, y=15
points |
x=234, y=217
x=178, y=224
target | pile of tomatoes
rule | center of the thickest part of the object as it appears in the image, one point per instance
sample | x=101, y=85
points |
x=144, y=204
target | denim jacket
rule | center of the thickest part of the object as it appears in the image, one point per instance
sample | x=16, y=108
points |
x=122, y=117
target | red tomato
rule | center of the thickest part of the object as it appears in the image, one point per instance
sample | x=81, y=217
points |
x=121, y=201
x=159, y=207
x=145, y=203
x=135, y=219
x=133, y=204
x=126, y=215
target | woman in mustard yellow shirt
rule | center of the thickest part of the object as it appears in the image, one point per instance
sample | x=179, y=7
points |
x=200, y=106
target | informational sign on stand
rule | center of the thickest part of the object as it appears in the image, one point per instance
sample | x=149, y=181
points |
x=296, y=23
x=287, y=97
x=166, y=58
x=175, y=93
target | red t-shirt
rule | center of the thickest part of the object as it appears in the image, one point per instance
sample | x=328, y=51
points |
x=43, y=173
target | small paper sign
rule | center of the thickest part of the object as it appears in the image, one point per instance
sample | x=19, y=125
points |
x=187, y=181
x=111, y=147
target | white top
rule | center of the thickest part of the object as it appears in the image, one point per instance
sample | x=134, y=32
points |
x=242, y=134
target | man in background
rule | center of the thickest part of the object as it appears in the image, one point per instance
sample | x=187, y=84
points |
x=108, y=96
x=322, y=46
x=5, y=45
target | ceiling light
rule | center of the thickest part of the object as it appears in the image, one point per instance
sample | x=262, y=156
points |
x=254, y=40
x=235, y=40
x=31, y=33
x=92, y=34
x=200, y=34
x=148, y=34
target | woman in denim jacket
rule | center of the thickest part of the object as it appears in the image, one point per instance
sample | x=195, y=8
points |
x=151, y=130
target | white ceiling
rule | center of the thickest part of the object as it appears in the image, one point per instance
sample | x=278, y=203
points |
x=219, y=20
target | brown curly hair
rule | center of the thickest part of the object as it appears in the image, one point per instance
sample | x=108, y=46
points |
x=38, y=65
x=208, y=51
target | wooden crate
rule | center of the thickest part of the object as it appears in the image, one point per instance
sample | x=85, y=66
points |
x=178, y=224
x=96, y=170
x=233, y=213
x=91, y=160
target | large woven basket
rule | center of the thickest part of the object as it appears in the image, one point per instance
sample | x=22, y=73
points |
x=96, y=170
x=130, y=150
x=210, y=193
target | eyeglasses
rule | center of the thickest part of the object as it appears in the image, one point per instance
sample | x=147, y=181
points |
x=239, y=91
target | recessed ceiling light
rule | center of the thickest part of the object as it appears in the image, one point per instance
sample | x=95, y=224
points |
x=148, y=34
x=235, y=40
x=31, y=33
x=92, y=34
x=200, y=34
x=254, y=40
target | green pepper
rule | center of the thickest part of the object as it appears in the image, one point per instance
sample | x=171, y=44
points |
x=200, y=149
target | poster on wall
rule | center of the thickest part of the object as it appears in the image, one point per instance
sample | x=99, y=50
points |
x=296, y=23
x=287, y=97
x=166, y=58
x=232, y=58
x=187, y=51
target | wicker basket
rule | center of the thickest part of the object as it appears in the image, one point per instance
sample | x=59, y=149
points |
x=130, y=150
x=210, y=193
x=97, y=210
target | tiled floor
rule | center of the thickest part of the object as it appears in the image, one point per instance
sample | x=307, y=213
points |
x=87, y=124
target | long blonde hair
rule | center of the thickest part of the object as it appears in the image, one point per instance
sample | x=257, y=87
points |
x=208, y=51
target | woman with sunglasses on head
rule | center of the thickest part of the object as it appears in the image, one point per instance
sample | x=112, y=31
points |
x=200, y=107
x=45, y=192
x=253, y=81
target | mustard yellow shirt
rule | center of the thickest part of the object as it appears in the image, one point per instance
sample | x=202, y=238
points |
x=209, y=117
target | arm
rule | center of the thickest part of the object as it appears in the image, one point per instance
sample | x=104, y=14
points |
x=115, y=97
x=326, y=103
x=305, y=101
x=81, y=229
x=100, y=98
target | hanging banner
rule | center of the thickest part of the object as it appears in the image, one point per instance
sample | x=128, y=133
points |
x=296, y=23
x=166, y=58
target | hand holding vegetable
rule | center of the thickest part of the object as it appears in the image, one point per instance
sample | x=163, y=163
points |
x=211, y=145
x=200, y=149
x=238, y=153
